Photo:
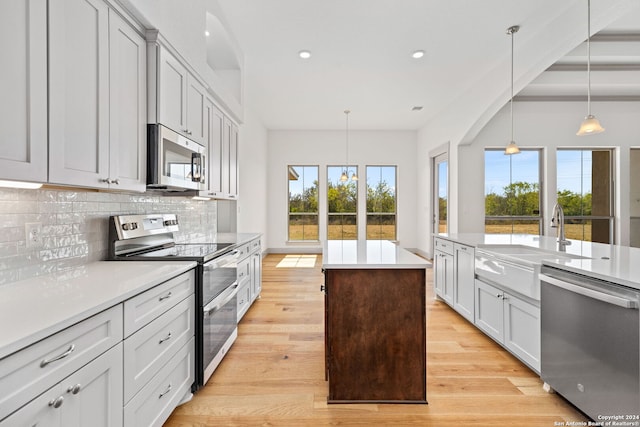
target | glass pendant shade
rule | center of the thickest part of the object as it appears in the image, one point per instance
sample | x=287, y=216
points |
x=512, y=148
x=590, y=126
x=344, y=177
x=354, y=177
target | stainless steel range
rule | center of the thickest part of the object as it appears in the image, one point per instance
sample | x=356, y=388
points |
x=150, y=237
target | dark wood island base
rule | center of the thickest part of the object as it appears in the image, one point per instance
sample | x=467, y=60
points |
x=375, y=335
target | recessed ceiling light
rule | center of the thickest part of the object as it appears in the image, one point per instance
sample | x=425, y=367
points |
x=416, y=108
x=304, y=54
x=207, y=33
x=417, y=54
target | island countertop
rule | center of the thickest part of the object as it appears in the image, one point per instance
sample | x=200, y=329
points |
x=349, y=254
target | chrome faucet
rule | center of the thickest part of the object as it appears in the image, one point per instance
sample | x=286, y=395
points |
x=557, y=221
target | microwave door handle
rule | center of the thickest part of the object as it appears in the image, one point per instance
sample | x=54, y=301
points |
x=195, y=167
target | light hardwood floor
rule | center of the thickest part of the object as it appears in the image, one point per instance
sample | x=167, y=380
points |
x=274, y=373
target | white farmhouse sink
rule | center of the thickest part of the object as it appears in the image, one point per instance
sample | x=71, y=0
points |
x=515, y=267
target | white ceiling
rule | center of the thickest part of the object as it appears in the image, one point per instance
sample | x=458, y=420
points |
x=362, y=55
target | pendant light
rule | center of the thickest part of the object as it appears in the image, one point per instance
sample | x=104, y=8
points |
x=345, y=173
x=590, y=125
x=512, y=148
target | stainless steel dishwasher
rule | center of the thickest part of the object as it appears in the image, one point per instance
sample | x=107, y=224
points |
x=590, y=342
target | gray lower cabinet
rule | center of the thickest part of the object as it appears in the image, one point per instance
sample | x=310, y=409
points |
x=510, y=320
x=91, y=396
x=463, y=280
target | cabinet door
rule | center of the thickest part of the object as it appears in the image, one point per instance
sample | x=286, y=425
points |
x=226, y=157
x=173, y=93
x=196, y=121
x=489, y=315
x=463, y=290
x=233, y=163
x=23, y=85
x=522, y=330
x=128, y=130
x=92, y=396
x=439, y=274
x=79, y=93
x=256, y=275
x=216, y=126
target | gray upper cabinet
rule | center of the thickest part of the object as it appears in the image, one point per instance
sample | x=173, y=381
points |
x=23, y=85
x=97, y=135
x=128, y=100
x=79, y=92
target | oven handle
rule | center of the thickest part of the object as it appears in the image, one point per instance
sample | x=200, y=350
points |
x=591, y=293
x=222, y=261
x=221, y=300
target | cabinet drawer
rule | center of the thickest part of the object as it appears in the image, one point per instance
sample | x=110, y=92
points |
x=30, y=371
x=155, y=402
x=255, y=245
x=244, y=250
x=143, y=308
x=443, y=246
x=244, y=297
x=152, y=346
x=244, y=269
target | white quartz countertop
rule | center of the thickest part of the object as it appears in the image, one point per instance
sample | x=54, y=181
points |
x=613, y=263
x=33, y=309
x=368, y=254
x=234, y=238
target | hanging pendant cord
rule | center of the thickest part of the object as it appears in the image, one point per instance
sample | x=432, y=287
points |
x=588, y=57
x=512, y=84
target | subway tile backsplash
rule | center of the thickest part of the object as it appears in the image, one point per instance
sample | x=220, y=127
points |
x=74, y=226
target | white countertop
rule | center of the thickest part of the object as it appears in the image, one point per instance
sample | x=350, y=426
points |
x=368, y=254
x=613, y=263
x=33, y=309
x=235, y=238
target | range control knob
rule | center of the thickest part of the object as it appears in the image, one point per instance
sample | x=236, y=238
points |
x=134, y=225
x=125, y=226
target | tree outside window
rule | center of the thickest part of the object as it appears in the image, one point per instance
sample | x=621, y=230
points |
x=381, y=202
x=342, y=204
x=303, y=203
x=512, y=192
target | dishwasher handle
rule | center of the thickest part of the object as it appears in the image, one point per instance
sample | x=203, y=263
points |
x=590, y=293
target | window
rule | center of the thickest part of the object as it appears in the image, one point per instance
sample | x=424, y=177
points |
x=381, y=202
x=342, y=204
x=303, y=202
x=512, y=192
x=585, y=193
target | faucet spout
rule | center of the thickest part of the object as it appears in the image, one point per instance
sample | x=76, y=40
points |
x=557, y=221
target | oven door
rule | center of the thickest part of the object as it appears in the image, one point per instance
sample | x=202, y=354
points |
x=218, y=274
x=219, y=329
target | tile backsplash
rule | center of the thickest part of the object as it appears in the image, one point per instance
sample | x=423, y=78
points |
x=74, y=226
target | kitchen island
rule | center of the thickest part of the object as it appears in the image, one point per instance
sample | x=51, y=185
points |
x=375, y=322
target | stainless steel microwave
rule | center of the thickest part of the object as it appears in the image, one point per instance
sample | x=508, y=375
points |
x=174, y=163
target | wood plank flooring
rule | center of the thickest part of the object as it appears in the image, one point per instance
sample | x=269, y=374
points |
x=274, y=373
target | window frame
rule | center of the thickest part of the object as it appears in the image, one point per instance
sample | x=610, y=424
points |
x=349, y=169
x=317, y=213
x=513, y=218
x=612, y=194
x=395, y=200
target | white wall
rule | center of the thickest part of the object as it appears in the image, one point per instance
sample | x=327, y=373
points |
x=550, y=125
x=252, y=173
x=327, y=148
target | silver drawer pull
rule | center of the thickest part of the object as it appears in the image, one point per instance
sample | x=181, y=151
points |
x=74, y=389
x=167, y=338
x=57, y=402
x=162, y=298
x=45, y=362
x=165, y=392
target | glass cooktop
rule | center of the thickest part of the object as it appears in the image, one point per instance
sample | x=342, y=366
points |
x=187, y=251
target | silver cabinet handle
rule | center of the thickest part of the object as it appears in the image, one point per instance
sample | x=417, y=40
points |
x=106, y=180
x=167, y=338
x=164, y=297
x=45, y=362
x=115, y=181
x=57, y=402
x=74, y=389
x=165, y=392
